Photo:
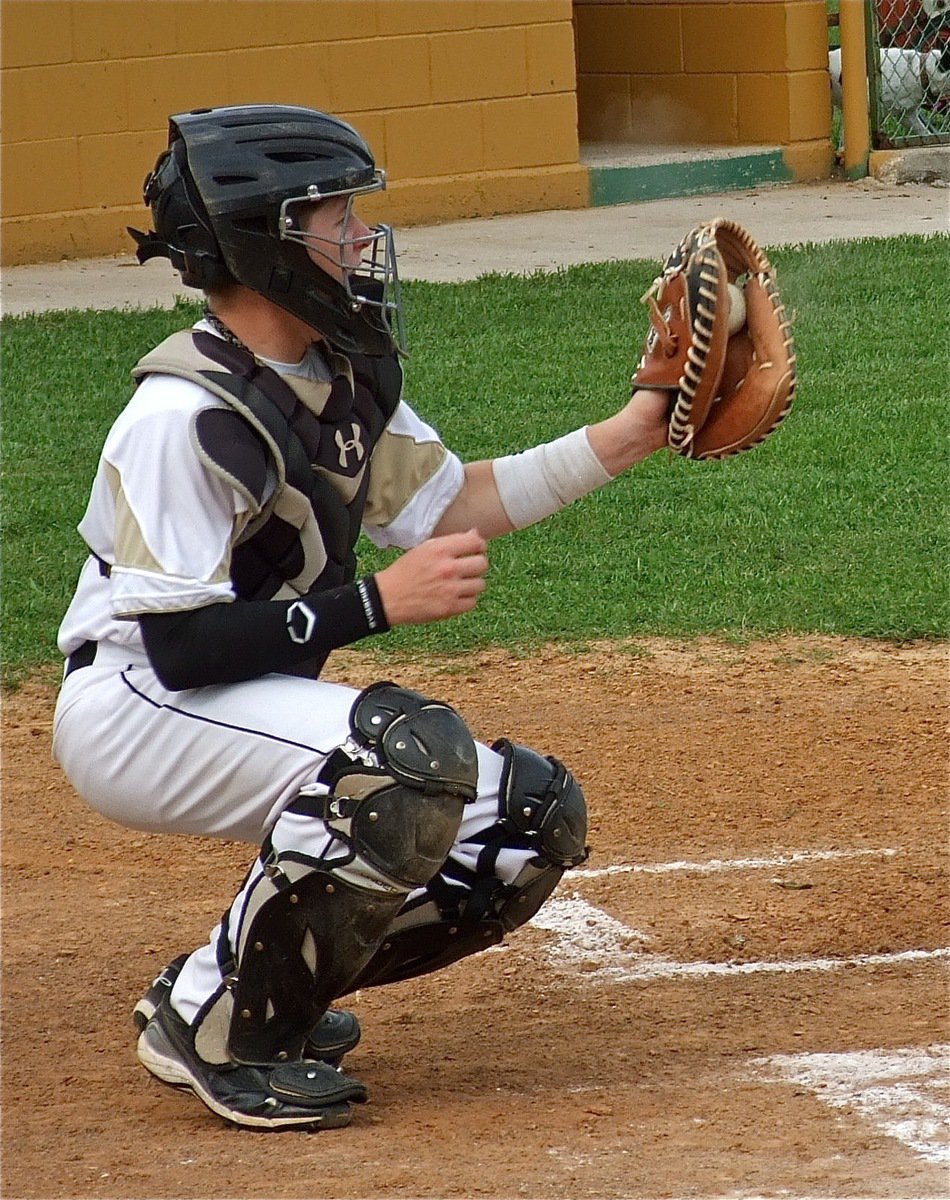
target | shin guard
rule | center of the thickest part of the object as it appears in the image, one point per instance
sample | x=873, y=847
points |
x=540, y=808
x=392, y=803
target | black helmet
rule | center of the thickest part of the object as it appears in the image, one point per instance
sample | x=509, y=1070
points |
x=225, y=196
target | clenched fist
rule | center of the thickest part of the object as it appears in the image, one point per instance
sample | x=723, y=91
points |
x=439, y=578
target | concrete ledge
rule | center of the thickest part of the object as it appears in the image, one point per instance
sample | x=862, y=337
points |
x=919, y=164
x=697, y=175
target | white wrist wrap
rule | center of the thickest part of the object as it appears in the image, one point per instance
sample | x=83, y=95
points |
x=537, y=482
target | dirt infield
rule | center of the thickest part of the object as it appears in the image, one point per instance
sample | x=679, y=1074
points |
x=777, y=823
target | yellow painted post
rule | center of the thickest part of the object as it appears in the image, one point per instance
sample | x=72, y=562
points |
x=854, y=89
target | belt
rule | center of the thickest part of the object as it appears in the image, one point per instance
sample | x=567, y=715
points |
x=85, y=656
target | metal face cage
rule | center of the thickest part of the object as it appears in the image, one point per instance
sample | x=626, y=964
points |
x=374, y=281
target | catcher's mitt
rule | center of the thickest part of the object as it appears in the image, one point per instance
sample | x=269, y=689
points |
x=730, y=380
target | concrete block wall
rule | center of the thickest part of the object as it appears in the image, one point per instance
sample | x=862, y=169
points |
x=714, y=72
x=470, y=105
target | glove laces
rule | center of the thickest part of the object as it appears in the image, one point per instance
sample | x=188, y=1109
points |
x=666, y=337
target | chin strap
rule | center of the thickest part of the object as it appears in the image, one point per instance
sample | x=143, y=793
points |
x=150, y=245
x=197, y=270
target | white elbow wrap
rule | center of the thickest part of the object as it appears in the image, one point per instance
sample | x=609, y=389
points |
x=538, y=482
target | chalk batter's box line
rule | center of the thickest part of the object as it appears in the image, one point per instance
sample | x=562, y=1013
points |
x=591, y=942
x=713, y=865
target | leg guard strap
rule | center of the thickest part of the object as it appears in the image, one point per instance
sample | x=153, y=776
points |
x=436, y=933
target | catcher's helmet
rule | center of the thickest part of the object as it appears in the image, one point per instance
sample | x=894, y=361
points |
x=225, y=198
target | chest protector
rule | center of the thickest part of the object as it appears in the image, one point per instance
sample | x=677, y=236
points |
x=297, y=450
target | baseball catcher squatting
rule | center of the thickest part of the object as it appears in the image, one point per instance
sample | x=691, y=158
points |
x=221, y=574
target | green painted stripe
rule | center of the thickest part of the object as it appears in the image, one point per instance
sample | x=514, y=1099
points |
x=659, y=181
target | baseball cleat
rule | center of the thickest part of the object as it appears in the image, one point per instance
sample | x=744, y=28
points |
x=335, y=1034
x=159, y=988
x=293, y=1095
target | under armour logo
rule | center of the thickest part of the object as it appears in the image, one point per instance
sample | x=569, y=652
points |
x=345, y=446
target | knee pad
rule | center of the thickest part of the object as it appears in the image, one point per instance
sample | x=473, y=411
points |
x=540, y=807
x=424, y=742
x=401, y=810
x=541, y=800
x=394, y=807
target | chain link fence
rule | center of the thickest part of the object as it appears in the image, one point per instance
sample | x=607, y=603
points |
x=909, y=72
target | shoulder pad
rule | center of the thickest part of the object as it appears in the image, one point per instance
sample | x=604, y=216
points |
x=227, y=444
x=177, y=355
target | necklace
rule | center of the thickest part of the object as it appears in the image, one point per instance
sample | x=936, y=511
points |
x=220, y=328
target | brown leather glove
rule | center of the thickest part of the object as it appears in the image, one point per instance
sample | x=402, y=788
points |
x=730, y=373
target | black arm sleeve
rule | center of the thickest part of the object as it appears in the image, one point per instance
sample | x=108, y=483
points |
x=228, y=643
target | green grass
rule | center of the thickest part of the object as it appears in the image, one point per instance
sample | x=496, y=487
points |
x=834, y=33
x=837, y=525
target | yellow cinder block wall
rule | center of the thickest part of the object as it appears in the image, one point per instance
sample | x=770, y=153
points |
x=470, y=105
x=708, y=72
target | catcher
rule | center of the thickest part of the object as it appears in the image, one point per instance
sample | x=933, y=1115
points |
x=221, y=575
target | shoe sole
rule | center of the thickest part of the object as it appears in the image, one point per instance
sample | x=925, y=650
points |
x=158, y=1057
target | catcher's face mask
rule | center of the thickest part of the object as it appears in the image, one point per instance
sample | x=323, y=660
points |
x=359, y=257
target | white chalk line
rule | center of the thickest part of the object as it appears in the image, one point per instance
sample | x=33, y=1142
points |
x=591, y=943
x=713, y=865
x=898, y=1090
